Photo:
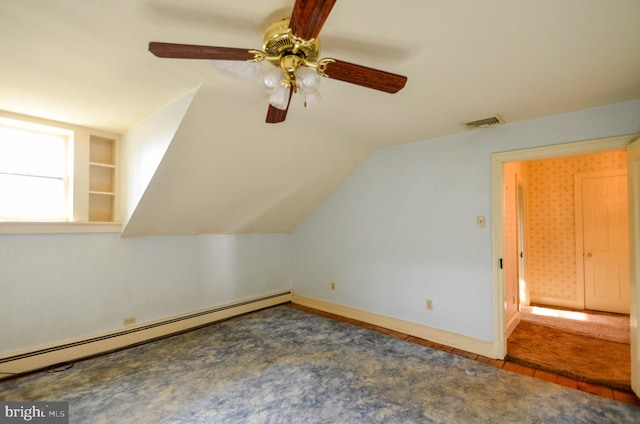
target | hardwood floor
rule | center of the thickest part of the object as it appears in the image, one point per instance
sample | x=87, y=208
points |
x=570, y=354
x=606, y=392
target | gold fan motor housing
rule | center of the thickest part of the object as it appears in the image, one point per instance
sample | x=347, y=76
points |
x=279, y=42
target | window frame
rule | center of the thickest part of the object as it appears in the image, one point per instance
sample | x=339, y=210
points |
x=64, y=173
x=77, y=184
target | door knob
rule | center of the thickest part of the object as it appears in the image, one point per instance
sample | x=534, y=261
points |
x=589, y=255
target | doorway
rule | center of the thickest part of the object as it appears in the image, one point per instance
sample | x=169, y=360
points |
x=578, y=206
x=577, y=237
x=499, y=159
x=498, y=218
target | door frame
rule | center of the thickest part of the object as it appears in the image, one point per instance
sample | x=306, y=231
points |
x=497, y=180
x=633, y=179
x=521, y=220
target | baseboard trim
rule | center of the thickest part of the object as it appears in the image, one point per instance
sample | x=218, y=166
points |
x=466, y=343
x=36, y=359
x=512, y=324
x=556, y=301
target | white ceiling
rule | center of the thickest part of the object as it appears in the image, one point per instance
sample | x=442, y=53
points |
x=86, y=63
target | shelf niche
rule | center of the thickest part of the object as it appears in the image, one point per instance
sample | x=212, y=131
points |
x=102, y=179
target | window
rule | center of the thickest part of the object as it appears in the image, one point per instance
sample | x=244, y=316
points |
x=35, y=176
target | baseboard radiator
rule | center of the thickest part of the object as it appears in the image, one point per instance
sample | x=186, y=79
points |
x=51, y=356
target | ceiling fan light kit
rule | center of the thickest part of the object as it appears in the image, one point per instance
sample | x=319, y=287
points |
x=292, y=46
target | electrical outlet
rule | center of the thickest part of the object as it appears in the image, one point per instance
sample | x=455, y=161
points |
x=333, y=285
x=429, y=304
x=129, y=321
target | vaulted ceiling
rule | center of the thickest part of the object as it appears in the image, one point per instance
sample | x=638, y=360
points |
x=226, y=170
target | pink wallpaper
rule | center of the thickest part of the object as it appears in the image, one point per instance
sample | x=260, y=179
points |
x=551, y=267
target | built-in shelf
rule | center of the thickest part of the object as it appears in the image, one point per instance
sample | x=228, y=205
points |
x=102, y=165
x=102, y=179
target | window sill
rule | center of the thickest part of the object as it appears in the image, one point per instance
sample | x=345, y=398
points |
x=59, y=227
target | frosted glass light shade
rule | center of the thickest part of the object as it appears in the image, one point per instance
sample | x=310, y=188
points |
x=310, y=99
x=307, y=79
x=272, y=80
x=280, y=97
x=239, y=69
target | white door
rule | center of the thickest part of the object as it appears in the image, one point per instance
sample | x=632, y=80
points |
x=633, y=169
x=606, y=243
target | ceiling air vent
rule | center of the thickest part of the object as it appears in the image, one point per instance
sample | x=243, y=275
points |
x=486, y=122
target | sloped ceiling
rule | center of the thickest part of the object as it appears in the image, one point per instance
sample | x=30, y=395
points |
x=225, y=170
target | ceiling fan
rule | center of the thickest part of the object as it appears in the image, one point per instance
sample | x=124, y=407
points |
x=292, y=46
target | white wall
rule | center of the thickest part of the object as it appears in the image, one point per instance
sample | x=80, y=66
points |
x=142, y=149
x=60, y=287
x=403, y=227
x=400, y=230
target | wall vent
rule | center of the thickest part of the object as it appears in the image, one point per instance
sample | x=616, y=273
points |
x=486, y=122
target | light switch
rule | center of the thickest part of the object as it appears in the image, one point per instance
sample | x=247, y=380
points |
x=480, y=221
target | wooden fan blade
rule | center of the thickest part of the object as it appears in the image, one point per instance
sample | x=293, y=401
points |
x=189, y=51
x=275, y=115
x=309, y=16
x=366, y=77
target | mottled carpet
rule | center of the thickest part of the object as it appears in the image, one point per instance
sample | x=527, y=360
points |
x=282, y=365
x=599, y=325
